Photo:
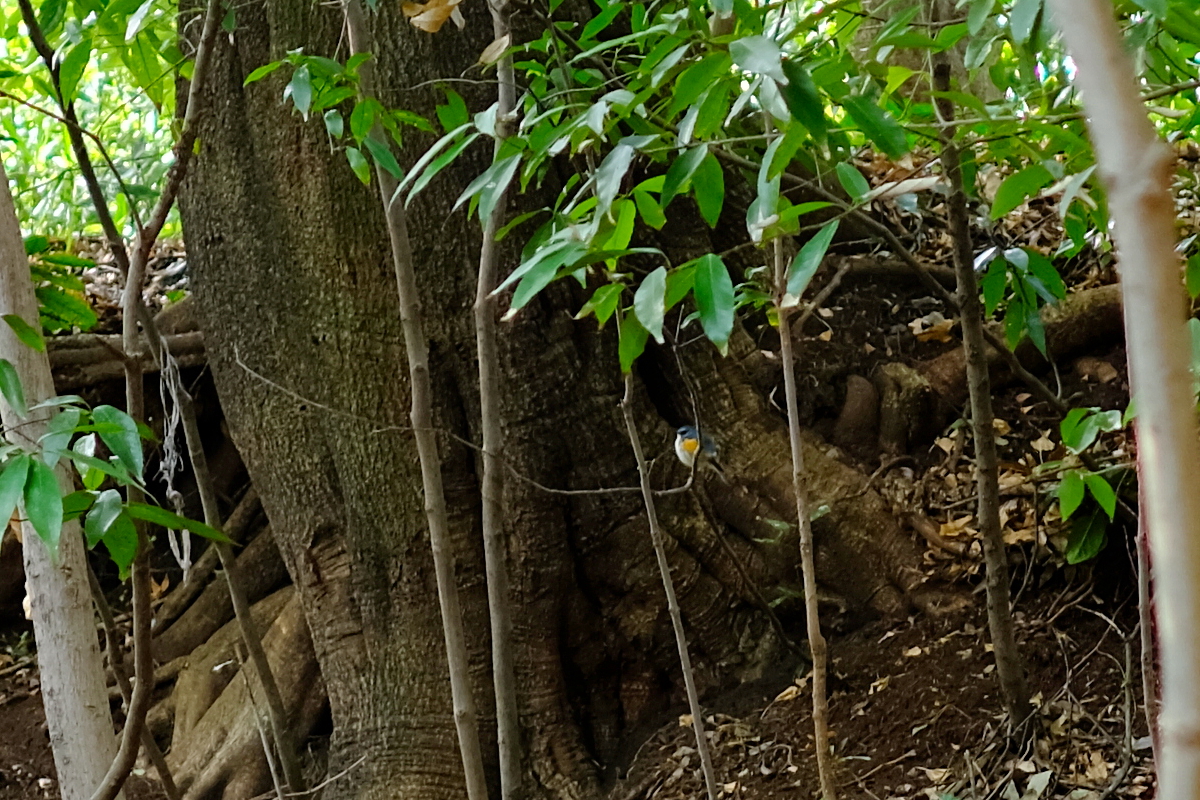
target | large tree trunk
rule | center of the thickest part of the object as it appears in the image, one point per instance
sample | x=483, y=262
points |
x=298, y=305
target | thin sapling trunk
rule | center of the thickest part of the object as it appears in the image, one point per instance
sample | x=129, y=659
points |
x=1011, y=672
x=417, y=349
x=495, y=552
x=664, y=568
x=1137, y=168
x=816, y=641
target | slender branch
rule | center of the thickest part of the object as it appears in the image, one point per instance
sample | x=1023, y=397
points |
x=417, y=350
x=1013, y=684
x=281, y=731
x=111, y=644
x=495, y=551
x=664, y=568
x=808, y=568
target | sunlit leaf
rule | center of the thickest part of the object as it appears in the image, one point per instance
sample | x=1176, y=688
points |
x=648, y=302
x=26, y=333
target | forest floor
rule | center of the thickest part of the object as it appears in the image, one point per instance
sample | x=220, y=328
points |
x=915, y=713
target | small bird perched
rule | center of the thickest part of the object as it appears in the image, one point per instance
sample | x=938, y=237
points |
x=690, y=443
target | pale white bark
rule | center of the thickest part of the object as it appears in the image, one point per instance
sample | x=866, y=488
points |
x=72, y=674
x=1136, y=168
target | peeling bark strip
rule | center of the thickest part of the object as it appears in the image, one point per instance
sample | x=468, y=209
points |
x=1136, y=168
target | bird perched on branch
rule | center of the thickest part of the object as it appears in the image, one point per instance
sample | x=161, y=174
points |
x=691, y=444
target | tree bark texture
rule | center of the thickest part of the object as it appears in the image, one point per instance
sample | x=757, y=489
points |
x=293, y=280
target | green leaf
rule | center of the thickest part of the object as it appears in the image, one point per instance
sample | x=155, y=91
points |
x=490, y=197
x=383, y=157
x=1019, y=187
x=172, y=521
x=335, y=126
x=85, y=447
x=76, y=503
x=602, y=303
x=648, y=302
x=977, y=15
x=543, y=271
x=852, y=181
x=708, y=186
x=359, y=164
x=10, y=387
x=994, y=282
x=632, y=341
x=44, y=504
x=123, y=439
x=71, y=69
x=26, y=333
x=300, y=90
x=610, y=174
x=696, y=79
x=760, y=55
x=1192, y=276
x=1022, y=19
x=679, y=282
x=58, y=434
x=12, y=484
x=648, y=207
x=1103, y=492
x=714, y=299
x=121, y=541
x=1070, y=493
x=1088, y=536
x=454, y=112
x=879, y=126
x=679, y=174
x=36, y=244
x=803, y=100
x=363, y=117
x=105, y=510
x=262, y=72
x=421, y=174
x=1079, y=429
x=67, y=308
x=809, y=259
x=1156, y=7
x=491, y=185
x=136, y=19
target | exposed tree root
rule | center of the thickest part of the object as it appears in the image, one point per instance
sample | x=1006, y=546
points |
x=215, y=749
x=1081, y=322
x=262, y=570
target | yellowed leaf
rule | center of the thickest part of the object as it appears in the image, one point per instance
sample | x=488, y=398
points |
x=491, y=54
x=790, y=693
x=825, y=336
x=431, y=16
